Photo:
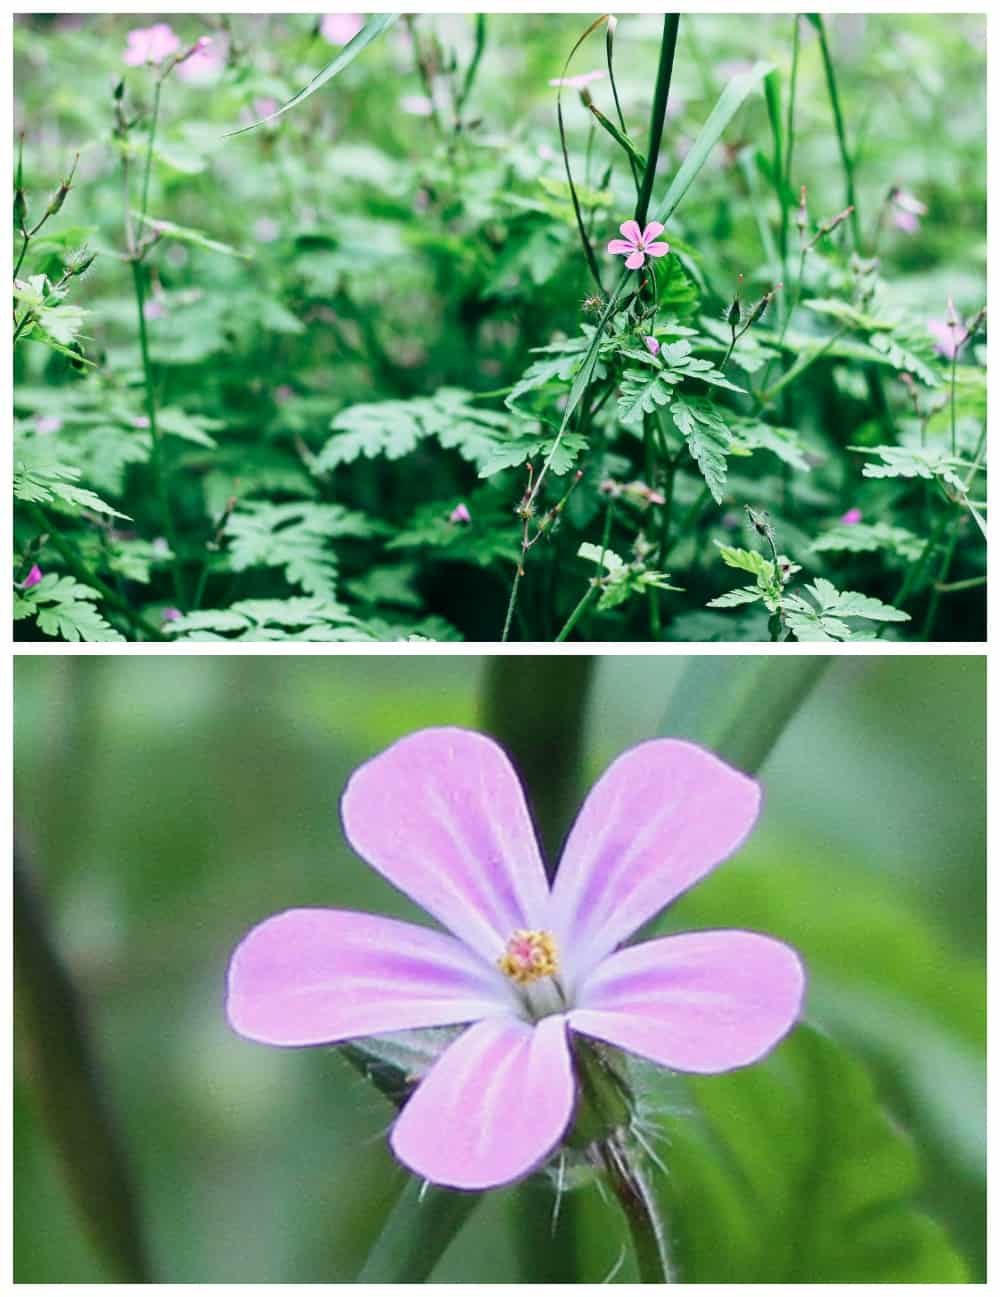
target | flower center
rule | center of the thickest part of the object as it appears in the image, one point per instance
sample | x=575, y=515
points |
x=528, y=956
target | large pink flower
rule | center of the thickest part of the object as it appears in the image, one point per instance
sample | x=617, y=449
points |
x=150, y=44
x=638, y=244
x=441, y=815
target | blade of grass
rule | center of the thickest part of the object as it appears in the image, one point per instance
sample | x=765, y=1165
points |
x=374, y=27
x=661, y=94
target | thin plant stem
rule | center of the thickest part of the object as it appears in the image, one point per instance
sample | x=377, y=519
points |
x=609, y=47
x=846, y=160
x=156, y=459
x=149, y=152
x=584, y=604
x=512, y=603
x=954, y=363
x=942, y=576
x=661, y=94
x=641, y=1211
x=789, y=141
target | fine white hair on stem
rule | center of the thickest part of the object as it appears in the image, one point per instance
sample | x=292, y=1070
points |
x=617, y=1265
x=560, y=1190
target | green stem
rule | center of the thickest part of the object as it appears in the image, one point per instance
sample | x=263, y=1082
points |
x=661, y=94
x=942, y=576
x=66, y=1079
x=641, y=1211
x=789, y=142
x=418, y=1232
x=156, y=458
x=512, y=602
x=84, y=574
x=577, y=613
x=149, y=153
x=954, y=363
x=846, y=160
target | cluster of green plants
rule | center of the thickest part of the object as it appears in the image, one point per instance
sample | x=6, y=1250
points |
x=329, y=346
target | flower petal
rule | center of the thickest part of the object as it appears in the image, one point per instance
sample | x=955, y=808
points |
x=442, y=816
x=652, y=231
x=492, y=1107
x=657, y=249
x=631, y=231
x=658, y=819
x=636, y=260
x=698, y=1002
x=621, y=247
x=311, y=977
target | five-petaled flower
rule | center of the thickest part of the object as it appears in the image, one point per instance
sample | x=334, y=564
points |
x=150, y=44
x=522, y=966
x=638, y=244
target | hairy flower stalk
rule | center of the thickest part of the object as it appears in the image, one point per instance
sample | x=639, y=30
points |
x=542, y=999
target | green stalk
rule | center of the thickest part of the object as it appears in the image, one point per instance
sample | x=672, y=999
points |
x=582, y=607
x=846, y=160
x=790, y=141
x=661, y=94
x=149, y=153
x=641, y=1211
x=739, y=706
x=418, y=1232
x=156, y=458
x=609, y=50
x=66, y=1079
x=536, y=707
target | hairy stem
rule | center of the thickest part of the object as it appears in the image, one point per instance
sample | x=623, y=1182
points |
x=630, y=1187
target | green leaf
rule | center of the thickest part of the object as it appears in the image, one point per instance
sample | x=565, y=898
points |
x=40, y=478
x=63, y=608
x=754, y=434
x=375, y=26
x=826, y=622
x=863, y=538
x=708, y=440
x=184, y=234
x=642, y=392
x=790, y=1172
x=914, y=461
x=295, y=537
x=747, y=560
x=729, y=103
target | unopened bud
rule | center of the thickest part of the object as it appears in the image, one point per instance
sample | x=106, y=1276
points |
x=20, y=209
x=59, y=197
x=735, y=313
x=829, y=226
x=586, y=98
x=80, y=262
x=119, y=90
x=802, y=215
x=763, y=304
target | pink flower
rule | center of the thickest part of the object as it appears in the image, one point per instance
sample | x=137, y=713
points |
x=460, y=514
x=283, y=393
x=906, y=221
x=150, y=45
x=205, y=62
x=851, y=517
x=638, y=244
x=140, y=421
x=33, y=577
x=416, y=105
x=652, y=345
x=522, y=966
x=154, y=310
x=338, y=29
x=171, y=614
x=46, y=424
x=949, y=334
x=264, y=108
x=579, y=81
x=265, y=230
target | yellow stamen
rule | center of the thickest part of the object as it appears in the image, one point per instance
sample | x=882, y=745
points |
x=529, y=955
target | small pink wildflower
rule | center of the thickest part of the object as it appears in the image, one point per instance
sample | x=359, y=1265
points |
x=172, y=614
x=46, y=424
x=523, y=966
x=153, y=310
x=416, y=105
x=140, y=421
x=638, y=244
x=948, y=334
x=579, y=81
x=460, y=513
x=266, y=231
x=150, y=45
x=204, y=64
x=338, y=29
x=264, y=108
x=33, y=577
x=851, y=517
x=907, y=210
x=652, y=345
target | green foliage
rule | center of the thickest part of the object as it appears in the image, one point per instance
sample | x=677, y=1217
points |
x=415, y=325
x=791, y=1172
x=64, y=609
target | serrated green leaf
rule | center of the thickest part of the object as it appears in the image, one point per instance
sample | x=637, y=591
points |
x=708, y=440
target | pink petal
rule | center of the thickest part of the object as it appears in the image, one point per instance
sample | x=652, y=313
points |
x=636, y=260
x=312, y=977
x=657, y=249
x=699, y=1002
x=659, y=818
x=441, y=814
x=652, y=231
x=631, y=231
x=492, y=1107
x=620, y=246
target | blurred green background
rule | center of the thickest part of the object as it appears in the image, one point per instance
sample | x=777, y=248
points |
x=166, y=805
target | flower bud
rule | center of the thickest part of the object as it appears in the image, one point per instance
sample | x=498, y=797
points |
x=59, y=197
